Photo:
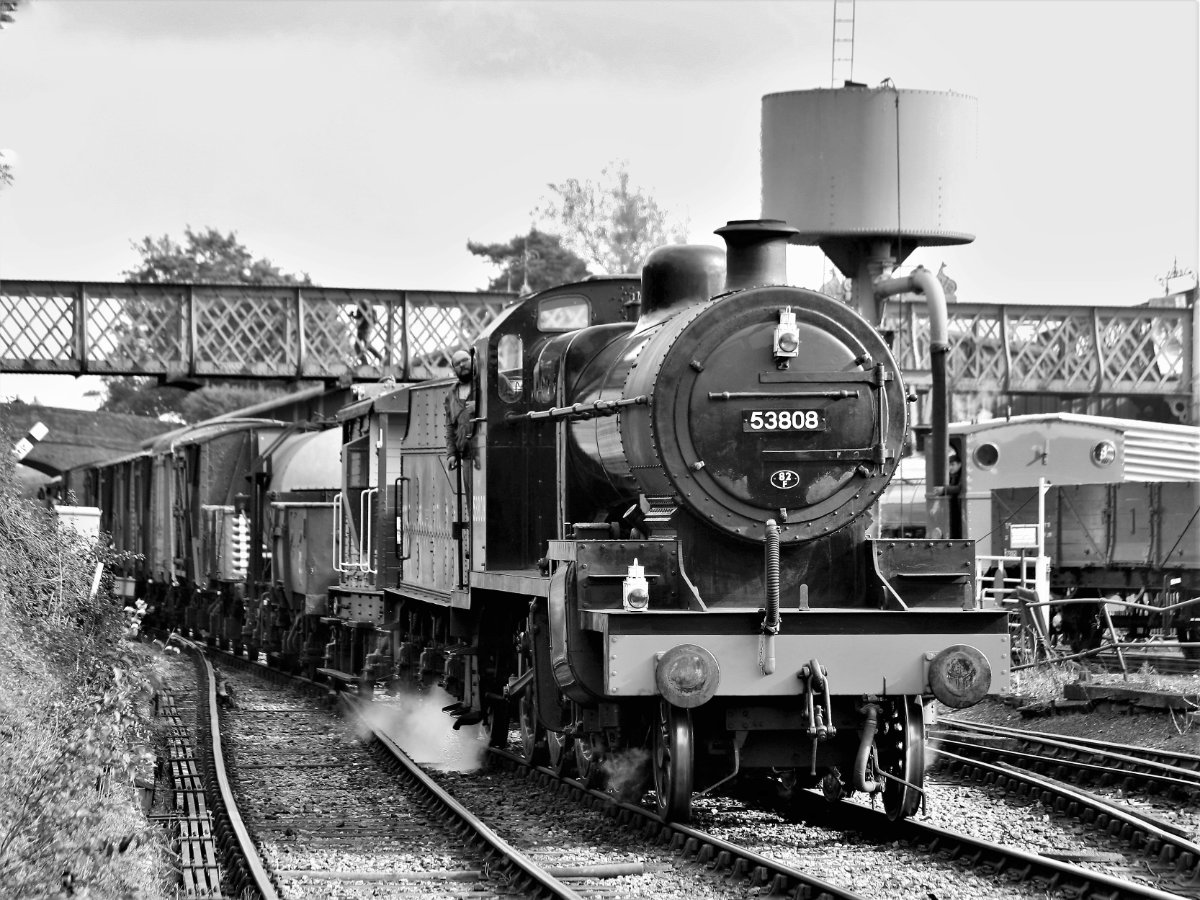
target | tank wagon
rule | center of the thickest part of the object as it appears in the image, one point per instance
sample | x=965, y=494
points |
x=1119, y=512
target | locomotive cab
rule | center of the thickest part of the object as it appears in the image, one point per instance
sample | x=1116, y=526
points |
x=521, y=363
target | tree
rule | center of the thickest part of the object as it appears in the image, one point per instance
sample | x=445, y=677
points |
x=218, y=398
x=138, y=396
x=209, y=258
x=7, y=8
x=6, y=169
x=206, y=257
x=537, y=259
x=610, y=222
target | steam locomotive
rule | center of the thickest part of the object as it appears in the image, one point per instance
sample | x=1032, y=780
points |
x=657, y=539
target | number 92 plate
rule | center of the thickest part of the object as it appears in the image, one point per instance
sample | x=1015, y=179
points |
x=784, y=420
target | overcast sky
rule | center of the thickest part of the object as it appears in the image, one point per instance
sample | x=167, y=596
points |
x=366, y=142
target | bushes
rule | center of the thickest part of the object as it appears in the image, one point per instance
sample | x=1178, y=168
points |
x=75, y=721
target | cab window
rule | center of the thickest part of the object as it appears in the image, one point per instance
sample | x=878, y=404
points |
x=567, y=313
x=509, y=354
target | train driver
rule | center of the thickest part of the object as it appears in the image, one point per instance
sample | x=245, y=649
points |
x=460, y=409
x=954, y=468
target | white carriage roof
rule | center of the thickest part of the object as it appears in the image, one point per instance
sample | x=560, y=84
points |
x=1154, y=451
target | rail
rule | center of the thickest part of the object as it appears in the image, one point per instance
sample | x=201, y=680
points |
x=527, y=878
x=249, y=875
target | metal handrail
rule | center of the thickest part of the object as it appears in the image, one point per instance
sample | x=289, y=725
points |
x=1038, y=582
x=363, y=526
x=337, y=532
x=369, y=530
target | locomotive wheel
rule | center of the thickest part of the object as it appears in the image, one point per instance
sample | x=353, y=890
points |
x=558, y=749
x=672, y=760
x=901, y=751
x=498, y=725
x=533, y=735
x=559, y=744
x=590, y=750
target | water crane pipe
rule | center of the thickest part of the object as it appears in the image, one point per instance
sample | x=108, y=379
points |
x=922, y=281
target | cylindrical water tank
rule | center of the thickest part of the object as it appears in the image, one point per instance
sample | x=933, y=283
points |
x=857, y=162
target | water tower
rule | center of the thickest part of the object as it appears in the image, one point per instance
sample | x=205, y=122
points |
x=870, y=174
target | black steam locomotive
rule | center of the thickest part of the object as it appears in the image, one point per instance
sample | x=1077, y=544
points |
x=658, y=537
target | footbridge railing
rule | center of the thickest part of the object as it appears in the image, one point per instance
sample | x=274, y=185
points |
x=181, y=331
x=1016, y=349
x=308, y=332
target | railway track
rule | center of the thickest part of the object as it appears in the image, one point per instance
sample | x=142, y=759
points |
x=355, y=831
x=741, y=863
x=1056, y=771
x=1086, y=760
x=601, y=861
x=189, y=819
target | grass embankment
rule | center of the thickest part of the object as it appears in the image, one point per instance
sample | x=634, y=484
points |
x=75, y=718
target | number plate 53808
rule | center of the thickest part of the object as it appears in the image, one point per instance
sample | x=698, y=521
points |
x=776, y=420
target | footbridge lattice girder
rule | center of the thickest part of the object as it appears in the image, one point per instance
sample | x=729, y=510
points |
x=339, y=334
x=1017, y=349
x=179, y=331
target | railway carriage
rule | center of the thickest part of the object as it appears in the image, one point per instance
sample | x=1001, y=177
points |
x=225, y=529
x=123, y=490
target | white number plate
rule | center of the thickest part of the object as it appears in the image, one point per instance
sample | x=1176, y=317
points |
x=783, y=420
